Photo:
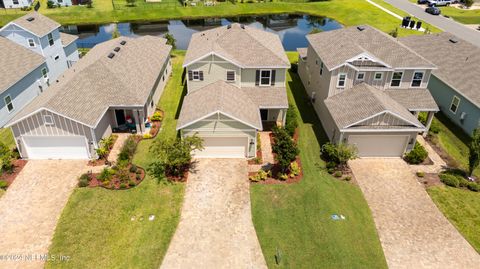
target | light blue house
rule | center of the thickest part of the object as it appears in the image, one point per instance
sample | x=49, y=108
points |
x=455, y=85
x=33, y=55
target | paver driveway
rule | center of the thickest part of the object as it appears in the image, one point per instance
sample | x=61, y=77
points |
x=413, y=232
x=30, y=208
x=216, y=228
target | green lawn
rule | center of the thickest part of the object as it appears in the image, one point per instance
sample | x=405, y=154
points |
x=462, y=208
x=6, y=137
x=295, y=219
x=95, y=228
x=347, y=12
x=465, y=16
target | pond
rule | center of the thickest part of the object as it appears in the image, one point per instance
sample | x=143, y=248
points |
x=291, y=28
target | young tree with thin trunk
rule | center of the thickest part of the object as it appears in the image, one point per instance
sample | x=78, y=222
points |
x=474, y=152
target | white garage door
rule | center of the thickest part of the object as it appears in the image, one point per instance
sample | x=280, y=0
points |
x=379, y=145
x=56, y=147
x=223, y=147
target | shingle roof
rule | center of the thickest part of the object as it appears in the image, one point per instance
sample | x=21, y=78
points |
x=219, y=96
x=337, y=46
x=364, y=101
x=267, y=97
x=414, y=99
x=67, y=39
x=244, y=45
x=302, y=52
x=40, y=25
x=16, y=62
x=97, y=82
x=458, y=63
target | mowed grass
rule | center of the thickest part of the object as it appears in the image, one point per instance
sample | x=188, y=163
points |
x=347, y=12
x=462, y=208
x=462, y=15
x=294, y=220
x=6, y=137
x=95, y=228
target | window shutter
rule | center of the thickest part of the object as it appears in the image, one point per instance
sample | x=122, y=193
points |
x=257, y=78
x=190, y=75
x=200, y=75
x=273, y=77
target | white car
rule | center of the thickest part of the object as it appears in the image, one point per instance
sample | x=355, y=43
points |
x=439, y=3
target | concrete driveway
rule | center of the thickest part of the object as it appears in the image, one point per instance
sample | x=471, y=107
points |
x=216, y=228
x=30, y=209
x=413, y=232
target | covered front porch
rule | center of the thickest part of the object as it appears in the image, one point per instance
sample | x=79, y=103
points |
x=129, y=120
x=272, y=117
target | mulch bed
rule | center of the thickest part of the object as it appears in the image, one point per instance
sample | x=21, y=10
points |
x=115, y=182
x=183, y=178
x=346, y=172
x=258, y=159
x=10, y=177
x=430, y=180
x=103, y=161
x=275, y=170
x=156, y=125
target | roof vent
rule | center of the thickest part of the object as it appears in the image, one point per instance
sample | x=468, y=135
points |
x=360, y=28
x=453, y=40
x=123, y=42
x=242, y=26
x=30, y=19
x=111, y=55
x=116, y=49
x=229, y=26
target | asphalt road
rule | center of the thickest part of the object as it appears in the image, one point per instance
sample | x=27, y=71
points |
x=441, y=22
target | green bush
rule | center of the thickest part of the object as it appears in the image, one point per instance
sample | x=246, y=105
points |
x=434, y=127
x=473, y=186
x=449, y=180
x=133, y=169
x=123, y=186
x=417, y=155
x=337, y=174
x=285, y=148
x=282, y=176
x=128, y=149
x=337, y=154
x=291, y=122
x=105, y=175
x=82, y=183
x=462, y=182
x=157, y=116
x=420, y=174
x=295, y=169
x=347, y=178
x=3, y=184
x=132, y=183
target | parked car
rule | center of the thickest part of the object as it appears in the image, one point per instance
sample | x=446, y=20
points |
x=439, y=3
x=422, y=2
x=433, y=10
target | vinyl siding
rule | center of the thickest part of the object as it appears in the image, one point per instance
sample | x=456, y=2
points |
x=104, y=127
x=157, y=93
x=411, y=136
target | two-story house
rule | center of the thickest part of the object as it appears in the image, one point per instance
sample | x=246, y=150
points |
x=15, y=3
x=236, y=87
x=31, y=42
x=455, y=85
x=367, y=89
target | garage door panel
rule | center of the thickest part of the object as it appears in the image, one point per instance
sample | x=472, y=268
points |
x=379, y=145
x=56, y=147
x=222, y=147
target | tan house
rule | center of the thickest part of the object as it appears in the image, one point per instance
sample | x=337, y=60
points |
x=236, y=87
x=367, y=89
x=115, y=87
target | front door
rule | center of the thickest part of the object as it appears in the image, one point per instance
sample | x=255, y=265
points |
x=264, y=114
x=120, y=115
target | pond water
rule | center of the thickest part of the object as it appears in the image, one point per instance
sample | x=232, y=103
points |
x=291, y=29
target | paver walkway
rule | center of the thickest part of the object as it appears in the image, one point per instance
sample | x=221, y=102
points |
x=30, y=209
x=216, y=228
x=438, y=163
x=267, y=153
x=117, y=147
x=413, y=232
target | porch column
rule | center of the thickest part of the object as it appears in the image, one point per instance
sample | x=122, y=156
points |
x=416, y=113
x=284, y=116
x=138, y=121
x=429, y=122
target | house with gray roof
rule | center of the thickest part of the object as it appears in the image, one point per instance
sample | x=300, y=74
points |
x=367, y=89
x=34, y=53
x=455, y=85
x=236, y=87
x=115, y=87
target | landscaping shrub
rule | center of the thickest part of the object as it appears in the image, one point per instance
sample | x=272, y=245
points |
x=82, y=183
x=337, y=174
x=3, y=184
x=291, y=121
x=128, y=149
x=295, y=169
x=449, y=180
x=434, y=127
x=462, y=182
x=157, y=116
x=285, y=148
x=338, y=154
x=474, y=152
x=105, y=175
x=261, y=175
x=420, y=174
x=133, y=168
x=147, y=136
x=473, y=186
x=51, y=4
x=347, y=178
x=123, y=186
x=6, y=163
x=417, y=155
x=282, y=176
x=131, y=183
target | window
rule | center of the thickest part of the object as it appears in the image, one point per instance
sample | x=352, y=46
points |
x=417, y=79
x=455, y=104
x=45, y=73
x=8, y=103
x=15, y=2
x=396, y=79
x=56, y=57
x=321, y=68
x=342, y=77
x=378, y=76
x=265, y=76
x=50, y=39
x=196, y=75
x=48, y=120
x=230, y=76
x=360, y=75
x=31, y=43
x=316, y=62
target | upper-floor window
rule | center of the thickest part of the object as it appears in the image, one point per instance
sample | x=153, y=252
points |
x=378, y=76
x=361, y=76
x=230, y=75
x=15, y=2
x=454, y=105
x=8, y=103
x=45, y=73
x=396, y=79
x=265, y=77
x=50, y=39
x=342, y=78
x=195, y=75
x=417, y=79
x=31, y=42
x=321, y=68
